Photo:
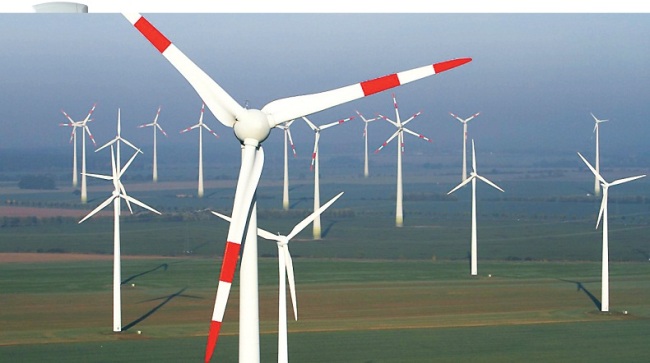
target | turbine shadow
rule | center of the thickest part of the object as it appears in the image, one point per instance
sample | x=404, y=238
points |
x=591, y=296
x=300, y=200
x=642, y=252
x=163, y=266
x=165, y=299
x=326, y=230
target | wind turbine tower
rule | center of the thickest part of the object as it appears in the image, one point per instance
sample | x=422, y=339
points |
x=602, y=215
x=287, y=141
x=365, y=137
x=401, y=129
x=597, y=123
x=474, y=242
x=464, y=122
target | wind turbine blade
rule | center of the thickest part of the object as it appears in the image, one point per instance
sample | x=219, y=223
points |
x=420, y=136
x=472, y=117
x=363, y=118
x=222, y=105
x=260, y=232
x=161, y=129
x=90, y=135
x=106, y=144
x=190, y=128
x=387, y=119
x=462, y=184
x=128, y=163
x=412, y=118
x=323, y=127
x=123, y=193
x=98, y=176
x=210, y=130
x=387, y=141
x=313, y=154
x=99, y=207
x=310, y=124
x=456, y=117
x=249, y=176
x=72, y=122
x=146, y=125
x=293, y=147
x=603, y=206
x=600, y=178
x=487, y=181
x=473, y=157
x=288, y=263
x=137, y=202
x=307, y=221
x=625, y=180
x=89, y=114
x=131, y=145
x=293, y=107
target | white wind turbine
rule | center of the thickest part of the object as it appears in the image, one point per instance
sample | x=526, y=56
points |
x=287, y=141
x=316, y=229
x=285, y=271
x=602, y=215
x=365, y=137
x=597, y=123
x=117, y=140
x=251, y=127
x=156, y=126
x=472, y=177
x=73, y=138
x=399, y=210
x=464, y=122
x=118, y=193
x=200, y=126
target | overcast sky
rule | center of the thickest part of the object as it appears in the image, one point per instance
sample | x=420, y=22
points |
x=534, y=77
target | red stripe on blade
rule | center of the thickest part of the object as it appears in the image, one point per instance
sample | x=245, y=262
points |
x=213, y=335
x=152, y=34
x=230, y=257
x=379, y=84
x=447, y=65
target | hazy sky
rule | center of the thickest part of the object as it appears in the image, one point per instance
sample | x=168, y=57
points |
x=535, y=77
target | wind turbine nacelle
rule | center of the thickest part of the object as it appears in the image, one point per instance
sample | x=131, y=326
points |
x=251, y=125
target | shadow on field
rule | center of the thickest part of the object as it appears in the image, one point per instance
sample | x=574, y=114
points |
x=300, y=200
x=326, y=230
x=163, y=266
x=643, y=253
x=580, y=287
x=165, y=300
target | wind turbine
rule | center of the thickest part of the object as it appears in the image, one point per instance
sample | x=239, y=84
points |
x=365, y=137
x=472, y=177
x=156, y=126
x=200, y=126
x=116, y=140
x=251, y=127
x=464, y=122
x=399, y=210
x=73, y=139
x=118, y=193
x=597, y=123
x=287, y=140
x=314, y=167
x=602, y=215
x=285, y=270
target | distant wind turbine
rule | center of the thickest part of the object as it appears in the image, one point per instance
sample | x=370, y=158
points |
x=287, y=141
x=84, y=129
x=314, y=166
x=472, y=177
x=201, y=126
x=464, y=122
x=156, y=126
x=117, y=140
x=73, y=140
x=285, y=270
x=602, y=215
x=365, y=137
x=401, y=129
x=597, y=123
x=118, y=193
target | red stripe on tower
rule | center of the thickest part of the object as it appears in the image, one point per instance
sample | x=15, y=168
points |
x=230, y=257
x=447, y=65
x=152, y=34
x=379, y=84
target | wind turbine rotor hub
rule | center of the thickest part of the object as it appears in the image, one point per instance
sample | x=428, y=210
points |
x=252, y=124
